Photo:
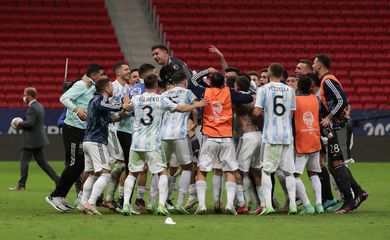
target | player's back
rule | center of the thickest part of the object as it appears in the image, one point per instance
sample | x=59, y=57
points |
x=174, y=124
x=148, y=109
x=278, y=101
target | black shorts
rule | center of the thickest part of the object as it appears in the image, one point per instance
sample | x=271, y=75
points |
x=339, y=144
x=125, y=142
x=73, y=142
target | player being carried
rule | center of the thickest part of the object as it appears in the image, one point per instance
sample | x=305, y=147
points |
x=277, y=102
x=148, y=110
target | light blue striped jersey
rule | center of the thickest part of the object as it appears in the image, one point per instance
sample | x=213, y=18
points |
x=174, y=125
x=278, y=100
x=148, y=110
x=118, y=93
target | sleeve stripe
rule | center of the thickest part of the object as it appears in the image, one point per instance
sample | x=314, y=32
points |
x=337, y=94
x=195, y=77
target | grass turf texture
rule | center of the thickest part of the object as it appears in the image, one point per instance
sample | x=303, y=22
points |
x=26, y=215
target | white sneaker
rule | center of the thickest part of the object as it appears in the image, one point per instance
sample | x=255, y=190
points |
x=201, y=210
x=65, y=202
x=231, y=210
x=192, y=200
x=91, y=209
x=133, y=210
x=56, y=203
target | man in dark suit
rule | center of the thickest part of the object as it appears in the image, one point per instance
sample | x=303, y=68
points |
x=33, y=139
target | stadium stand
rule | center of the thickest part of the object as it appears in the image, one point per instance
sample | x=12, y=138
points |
x=252, y=33
x=36, y=38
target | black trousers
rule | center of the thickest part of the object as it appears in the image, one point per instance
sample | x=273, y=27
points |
x=74, y=160
x=37, y=153
x=125, y=142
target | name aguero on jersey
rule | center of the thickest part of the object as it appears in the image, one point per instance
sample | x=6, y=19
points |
x=151, y=99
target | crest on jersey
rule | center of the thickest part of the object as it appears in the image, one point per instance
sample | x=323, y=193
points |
x=136, y=91
x=176, y=67
x=308, y=118
x=217, y=108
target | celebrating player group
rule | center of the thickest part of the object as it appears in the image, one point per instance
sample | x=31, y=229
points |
x=246, y=129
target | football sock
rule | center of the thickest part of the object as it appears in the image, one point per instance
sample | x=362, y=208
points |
x=266, y=185
x=201, y=187
x=326, y=191
x=140, y=192
x=316, y=185
x=301, y=191
x=162, y=189
x=192, y=189
x=248, y=189
x=184, y=182
x=343, y=179
x=231, y=193
x=171, y=185
x=354, y=185
x=239, y=194
x=121, y=191
x=114, y=181
x=290, y=185
x=98, y=187
x=260, y=195
x=282, y=181
x=128, y=187
x=153, y=189
x=87, y=188
x=216, y=187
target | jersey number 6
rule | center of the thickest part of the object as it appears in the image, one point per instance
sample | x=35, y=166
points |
x=279, y=108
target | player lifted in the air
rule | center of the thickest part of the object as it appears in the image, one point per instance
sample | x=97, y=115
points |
x=277, y=102
x=148, y=110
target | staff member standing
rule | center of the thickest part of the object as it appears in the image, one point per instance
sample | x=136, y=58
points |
x=76, y=101
x=33, y=139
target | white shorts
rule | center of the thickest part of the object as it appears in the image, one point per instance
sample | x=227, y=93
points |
x=155, y=160
x=220, y=155
x=114, y=147
x=96, y=157
x=180, y=148
x=278, y=156
x=248, y=151
x=310, y=160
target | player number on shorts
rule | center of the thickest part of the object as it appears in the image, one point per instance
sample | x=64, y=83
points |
x=334, y=148
x=147, y=121
x=279, y=108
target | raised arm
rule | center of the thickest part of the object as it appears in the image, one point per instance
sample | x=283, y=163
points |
x=215, y=50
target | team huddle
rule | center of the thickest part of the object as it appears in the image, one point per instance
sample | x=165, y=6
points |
x=244, y=128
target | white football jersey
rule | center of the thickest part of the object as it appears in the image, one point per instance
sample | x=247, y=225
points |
x=118, y=93
x=148, y=110
x=277, y=100
x=174, y=125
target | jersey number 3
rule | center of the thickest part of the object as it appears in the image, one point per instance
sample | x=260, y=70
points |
x=147, y=121
x=279, y=108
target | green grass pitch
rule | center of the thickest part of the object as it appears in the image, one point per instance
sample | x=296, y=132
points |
x=26, y=215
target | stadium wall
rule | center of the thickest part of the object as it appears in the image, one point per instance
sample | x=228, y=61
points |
x=371, y=141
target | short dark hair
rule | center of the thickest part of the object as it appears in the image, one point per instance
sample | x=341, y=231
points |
x=292, y=75
x=230, y=81
x=277, y=70
x=304, y=84
x=315, y=79
x=178, y=77
x=160, y=46
x=31, y=91
x=243, y=83
x=145, y=68
x=134, y=70
x=263, y=70
x=325, y=60
x=93, y=68
x=232, y=69
x=101, y=84
x=253, y=73
x=308, y=63
x=151, y=81
x=217, y=80
x=118, y=65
